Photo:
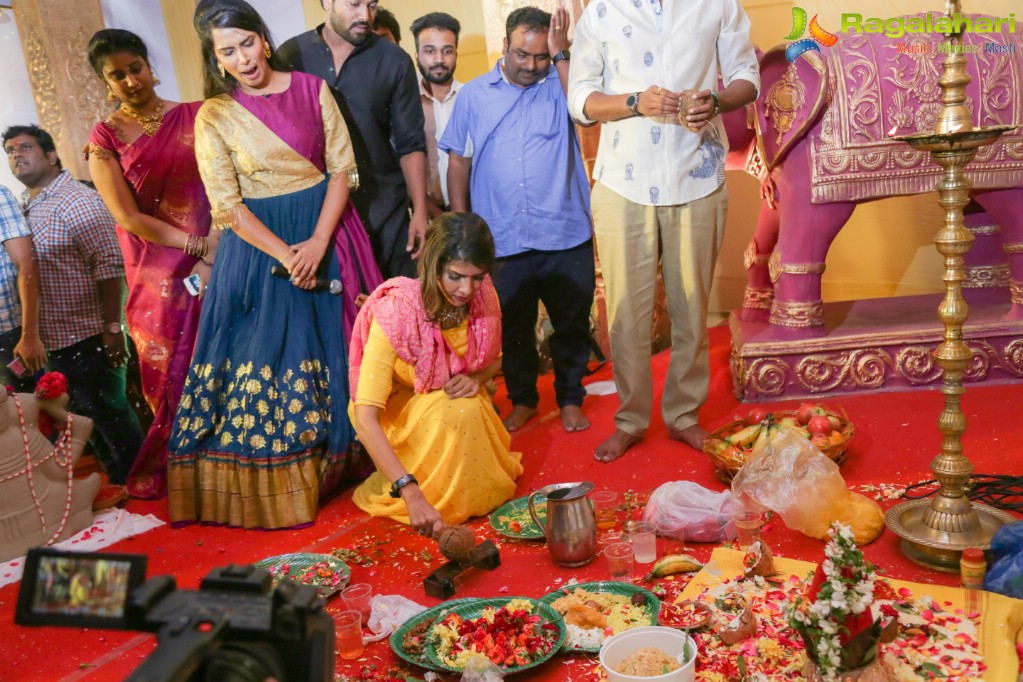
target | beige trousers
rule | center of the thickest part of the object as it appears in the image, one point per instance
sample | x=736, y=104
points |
x=632, y=239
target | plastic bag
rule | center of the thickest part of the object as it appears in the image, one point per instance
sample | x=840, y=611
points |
x=481, y=670
x=791, y=477
x=1006, y=573
x=388, y=612
x=705, y=514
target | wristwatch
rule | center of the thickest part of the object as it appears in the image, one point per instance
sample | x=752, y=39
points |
x=564, y=54
x=113, y=328
x=401, y=483
x=632, y=103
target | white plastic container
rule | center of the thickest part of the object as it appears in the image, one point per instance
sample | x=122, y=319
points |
x=669, y=640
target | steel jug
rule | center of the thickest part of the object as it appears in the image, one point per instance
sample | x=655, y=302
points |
x=570, y=529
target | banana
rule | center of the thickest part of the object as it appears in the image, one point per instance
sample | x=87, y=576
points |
x=761, y=439
x=746, y=436
x=674, y=563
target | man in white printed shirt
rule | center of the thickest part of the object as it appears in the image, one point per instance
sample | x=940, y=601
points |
x=436, y=36
x=659, y=191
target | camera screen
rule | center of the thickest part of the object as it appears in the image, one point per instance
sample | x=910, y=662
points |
x=81, y=586
x=73, y=588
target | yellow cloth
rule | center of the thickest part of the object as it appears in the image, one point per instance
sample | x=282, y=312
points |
x=458, y=449
x=1001, y=618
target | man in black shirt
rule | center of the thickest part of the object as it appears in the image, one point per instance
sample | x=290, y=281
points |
x=374, y=83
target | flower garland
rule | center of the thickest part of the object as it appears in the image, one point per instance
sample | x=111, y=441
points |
x=836, y=622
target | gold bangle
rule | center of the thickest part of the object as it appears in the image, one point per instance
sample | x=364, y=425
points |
x=284, y=260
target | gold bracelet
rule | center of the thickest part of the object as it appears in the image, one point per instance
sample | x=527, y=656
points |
x=284, y=261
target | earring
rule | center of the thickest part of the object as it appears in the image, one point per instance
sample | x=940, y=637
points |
x=266, y=48
x=110, y=94
x=223, y=74
x=156, y=79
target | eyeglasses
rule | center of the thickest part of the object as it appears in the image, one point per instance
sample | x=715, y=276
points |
x=24, y=148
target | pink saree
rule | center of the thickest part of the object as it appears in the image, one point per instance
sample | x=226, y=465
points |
x=162, y=317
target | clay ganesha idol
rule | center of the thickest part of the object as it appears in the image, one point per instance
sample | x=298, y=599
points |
x=40, y=502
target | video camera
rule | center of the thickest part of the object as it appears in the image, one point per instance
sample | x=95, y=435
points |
x=232, y=629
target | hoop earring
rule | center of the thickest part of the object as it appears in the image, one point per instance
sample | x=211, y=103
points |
x=110, y=94
x=223, y=74
x=266, y=49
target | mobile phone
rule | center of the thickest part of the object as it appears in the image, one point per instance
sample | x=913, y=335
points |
x=193, y=284
x=17, y=367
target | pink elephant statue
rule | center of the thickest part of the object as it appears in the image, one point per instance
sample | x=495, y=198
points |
x=820, y=141
x=40, y=502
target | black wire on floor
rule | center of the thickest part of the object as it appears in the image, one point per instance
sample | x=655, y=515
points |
x=995, y=490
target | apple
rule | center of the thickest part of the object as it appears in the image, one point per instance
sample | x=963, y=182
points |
x=756, y=415
x=805, y=413
x=819, y=424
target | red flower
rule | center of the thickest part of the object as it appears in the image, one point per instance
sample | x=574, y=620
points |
x=52, y=385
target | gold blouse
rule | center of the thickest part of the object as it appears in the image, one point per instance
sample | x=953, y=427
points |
x=240, y=157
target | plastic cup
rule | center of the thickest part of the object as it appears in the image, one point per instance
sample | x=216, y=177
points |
x=619, y=560
x=605, y=509
x=357, y=598
x=671, y=536
x=644, y=544
x=348, y=634
x=747, y=527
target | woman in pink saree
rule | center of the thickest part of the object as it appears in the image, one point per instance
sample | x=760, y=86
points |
x=142, y=160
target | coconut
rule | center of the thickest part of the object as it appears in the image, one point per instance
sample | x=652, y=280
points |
x=456, y=542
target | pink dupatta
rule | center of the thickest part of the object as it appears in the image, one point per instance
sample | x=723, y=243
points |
x=397, y=306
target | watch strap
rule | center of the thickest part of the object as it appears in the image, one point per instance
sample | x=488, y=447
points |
x=561, y=56
x=401, y=483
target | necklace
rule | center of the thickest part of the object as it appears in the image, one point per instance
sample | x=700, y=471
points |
x=150, y=124
x=450, y=316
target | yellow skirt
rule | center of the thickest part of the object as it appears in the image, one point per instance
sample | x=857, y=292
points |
x=457, y=449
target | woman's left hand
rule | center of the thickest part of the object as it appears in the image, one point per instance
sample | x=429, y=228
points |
x=461, y=386
x=308, y=255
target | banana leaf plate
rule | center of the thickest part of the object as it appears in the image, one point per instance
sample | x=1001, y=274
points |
x=651, y=606
x=324, y=571
x=552, y=629
x=512, y=519
x=397, y=639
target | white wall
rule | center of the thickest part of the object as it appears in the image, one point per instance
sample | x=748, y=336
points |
x=144, y=18
x=16, y=103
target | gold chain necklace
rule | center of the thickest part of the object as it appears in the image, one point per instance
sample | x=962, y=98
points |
x=150, y=124
x=451, y=317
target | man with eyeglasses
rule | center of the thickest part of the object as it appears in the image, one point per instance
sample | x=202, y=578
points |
x=81, y=292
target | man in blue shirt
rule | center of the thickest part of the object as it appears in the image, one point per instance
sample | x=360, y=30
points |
x=514, y=155
x=19, y=297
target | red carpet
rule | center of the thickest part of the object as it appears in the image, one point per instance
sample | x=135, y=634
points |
x=896, y=438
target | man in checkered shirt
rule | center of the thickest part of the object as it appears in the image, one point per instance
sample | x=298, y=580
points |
x=19, y=297
x=82, y=287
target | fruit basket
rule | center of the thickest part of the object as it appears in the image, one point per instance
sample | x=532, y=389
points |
x=728, y=453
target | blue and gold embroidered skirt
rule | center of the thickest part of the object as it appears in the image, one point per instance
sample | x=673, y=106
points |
x=262, y=421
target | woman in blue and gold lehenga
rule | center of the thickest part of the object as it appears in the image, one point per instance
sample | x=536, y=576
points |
x=262, y=432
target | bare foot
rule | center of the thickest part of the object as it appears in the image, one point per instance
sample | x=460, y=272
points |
x=615, y=446
x=693, y=436
x=519, y=415
x=573, y=419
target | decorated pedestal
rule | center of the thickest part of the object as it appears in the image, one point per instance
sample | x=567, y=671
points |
x=871, y=345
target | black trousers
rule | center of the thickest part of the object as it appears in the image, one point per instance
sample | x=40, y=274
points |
x=564, y=281
x=385, y=215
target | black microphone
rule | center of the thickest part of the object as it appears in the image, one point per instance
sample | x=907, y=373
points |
x=332, y=286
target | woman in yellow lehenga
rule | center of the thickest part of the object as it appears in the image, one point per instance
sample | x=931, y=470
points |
x=421, y=353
